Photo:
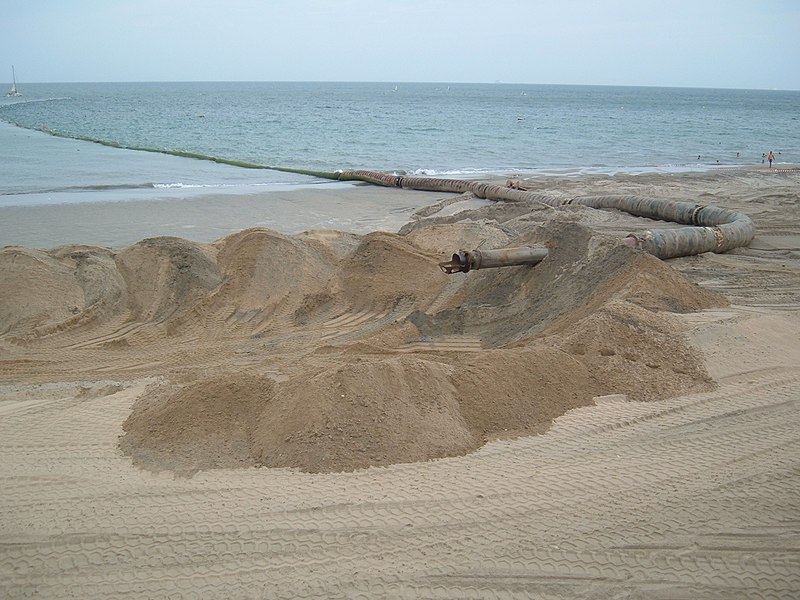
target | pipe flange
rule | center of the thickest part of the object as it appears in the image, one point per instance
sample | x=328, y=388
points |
x=719, y=236
x=695, y=217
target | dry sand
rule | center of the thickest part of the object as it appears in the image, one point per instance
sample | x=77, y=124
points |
x=327, y=414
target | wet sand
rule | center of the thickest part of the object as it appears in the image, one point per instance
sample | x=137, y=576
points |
x=344, y=207
x=196, y=419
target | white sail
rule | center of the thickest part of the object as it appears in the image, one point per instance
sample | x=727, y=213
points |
x=13, y=91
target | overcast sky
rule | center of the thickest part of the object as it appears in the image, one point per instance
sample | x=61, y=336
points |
x=694, y=43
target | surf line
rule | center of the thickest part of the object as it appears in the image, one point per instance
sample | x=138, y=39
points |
x=711, y=228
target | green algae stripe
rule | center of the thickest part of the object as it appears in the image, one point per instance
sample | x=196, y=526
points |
x=195, y=155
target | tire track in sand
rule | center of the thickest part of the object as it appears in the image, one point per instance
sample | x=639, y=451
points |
x=615, y=497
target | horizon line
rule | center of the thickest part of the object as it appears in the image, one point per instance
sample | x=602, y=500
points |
x=399, y=82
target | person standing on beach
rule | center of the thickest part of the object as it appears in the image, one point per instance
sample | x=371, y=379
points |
x=770, y=158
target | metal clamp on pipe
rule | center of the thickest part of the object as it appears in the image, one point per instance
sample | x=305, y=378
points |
x=465, y=261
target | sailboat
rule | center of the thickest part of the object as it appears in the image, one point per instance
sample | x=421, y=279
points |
x=13, y=91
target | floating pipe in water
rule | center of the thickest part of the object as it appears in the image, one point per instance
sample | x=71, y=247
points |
x=464, y=261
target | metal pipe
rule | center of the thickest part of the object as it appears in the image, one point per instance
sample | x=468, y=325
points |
x=464, y=261
x=711, y=228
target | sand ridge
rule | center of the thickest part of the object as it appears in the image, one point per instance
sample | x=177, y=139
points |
x=338, y=352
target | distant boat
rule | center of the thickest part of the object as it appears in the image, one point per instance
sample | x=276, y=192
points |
x=13, y=91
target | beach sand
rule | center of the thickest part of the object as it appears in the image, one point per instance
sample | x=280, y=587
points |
x=264, y=415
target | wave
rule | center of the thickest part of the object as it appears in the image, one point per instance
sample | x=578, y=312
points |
x=560, y=171
x=82, y=188
x=112, y=187
x=34, y=101
x=248, y=184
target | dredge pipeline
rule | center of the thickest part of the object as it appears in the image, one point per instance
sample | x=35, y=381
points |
x=711, y=228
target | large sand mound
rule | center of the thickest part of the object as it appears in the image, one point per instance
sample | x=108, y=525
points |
x=327, y=351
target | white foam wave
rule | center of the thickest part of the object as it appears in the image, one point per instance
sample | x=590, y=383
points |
x=562, y=171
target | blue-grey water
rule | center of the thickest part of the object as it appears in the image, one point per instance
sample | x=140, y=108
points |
x=455, y=129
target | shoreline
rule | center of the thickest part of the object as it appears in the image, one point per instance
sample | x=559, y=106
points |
x=342, y=206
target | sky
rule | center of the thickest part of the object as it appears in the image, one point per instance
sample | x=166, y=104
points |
x=676, y=43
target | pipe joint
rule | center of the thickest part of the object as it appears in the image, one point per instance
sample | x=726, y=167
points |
x=695, y=216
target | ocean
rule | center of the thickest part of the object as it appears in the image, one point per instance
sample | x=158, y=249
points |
x=84, y=142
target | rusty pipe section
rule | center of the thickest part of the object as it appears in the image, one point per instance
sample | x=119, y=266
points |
x=465, y=261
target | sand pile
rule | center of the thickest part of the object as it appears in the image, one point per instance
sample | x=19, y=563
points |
x=165, y=276
x=36, y=289
x=328, y=351
x=206, y=424
x=362, y=412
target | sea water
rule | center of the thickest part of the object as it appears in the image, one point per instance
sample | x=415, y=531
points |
x=125, y=141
